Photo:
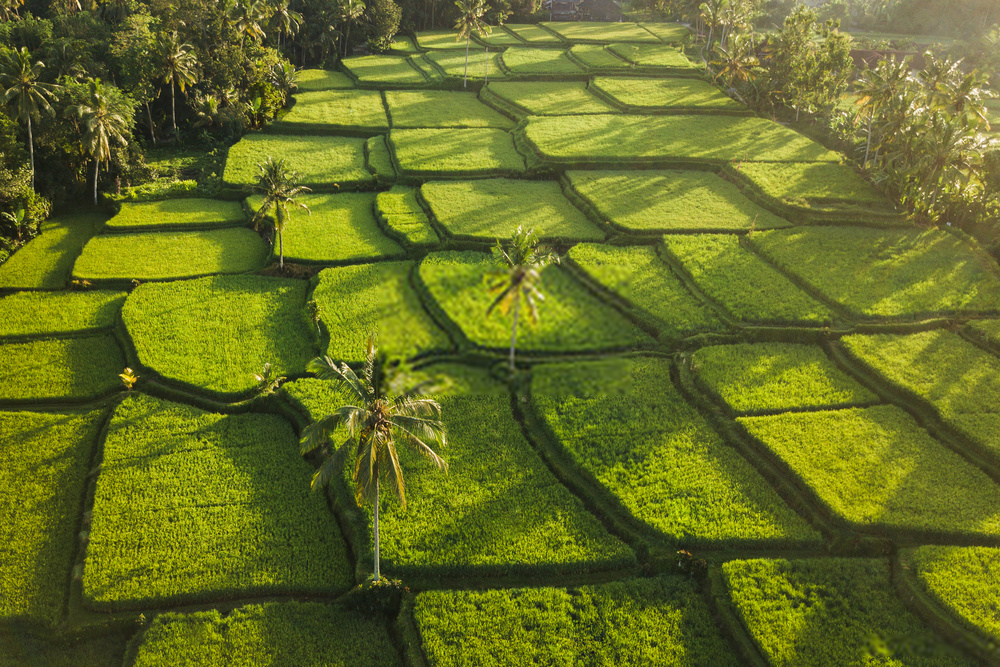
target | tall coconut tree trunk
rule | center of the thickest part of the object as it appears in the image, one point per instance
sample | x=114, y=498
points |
x=465, y=77
x=513, y=330
x=377, y=573
x=281, y=250
x=97, y=165
x=173, y=108
x=152, y=128
x=347, y=38
x=31, y=152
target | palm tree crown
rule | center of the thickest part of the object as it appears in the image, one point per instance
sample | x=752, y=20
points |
x=29, y=96
x=280, y=188
x=469, y=21
x=102, y=126
x=179, y=67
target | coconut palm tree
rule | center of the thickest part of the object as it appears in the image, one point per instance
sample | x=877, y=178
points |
x=285, y=21
x=102, y=126
x=469, y=21
x=247, y=15
x=29, y=96
x=179, y=68
x=518, y=276
x=379, y=421
x=350, y=11
x=280, y=188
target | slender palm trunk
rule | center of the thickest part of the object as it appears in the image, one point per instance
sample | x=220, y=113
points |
x=465, y=79
x=97, y=165
x=377, y=573
x=347, y=38
x=486, y=71
x=31, y=152
x=513, y=330
x=869, y=144
x=281, y=251
x=152, y=129
x=173, y=108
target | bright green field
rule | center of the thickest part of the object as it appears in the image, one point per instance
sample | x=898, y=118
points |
x=45, y=262
x=50, y=313
x=645, y=94
x=670, y=33
x=177, y=214
x=434, y=108
x=399, y=210
x=456, y=153
x=654, y=55
x=452, y=64
x=439, y=39
x=318, y=79
x=547, y=98
x=595, y=57
x=320, y=162
x=593, y=31
x=821, y=186
x=60, y=370
x=533, y=34
x=384, y=70
x=332, y=111
x=521, y=61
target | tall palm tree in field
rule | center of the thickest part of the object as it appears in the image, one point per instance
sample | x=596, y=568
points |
x=350, y=11
x=179, y=66
x=378, y=422
x=29, y=96
x=518, y=277
x=280, y=188
x=468, y=22
x=102, y=126
x=285, y=20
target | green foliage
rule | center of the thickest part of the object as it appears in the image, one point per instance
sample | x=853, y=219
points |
x=46, y=458
x=70, y=369
x=521, y=61
x=169, y=255
x=177, y=213
x=399, y=210
x=639, y=277
x=455, y=153
x=435, y=108
x=311, y=80
x=382, y=22
x=749, y=288
x=547, y=98
x=39, y=313
x=594, y=31
x=816, y=186
x=623, y=422
x=831, y=611
x=876, y=274
x=574, y=319
x=655, y=56
x=215, y=333
x=606, y=138
x=319, y=161
x=334, y=111
x=375, y=297
x=878, y=470
x=645, y=94
x=384, y=71
x=489, y=209
x=17, y=649
x=776, y=376
x=958, y=379
x=292, y=633
x=198, y=506
x=45, y=262
x=669, y=201
x=988, y=330
x=639, y=621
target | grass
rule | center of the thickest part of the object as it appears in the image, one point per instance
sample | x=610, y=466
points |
x=817, y=186
x=456, y=152
x=521, y=61
x=45, y=261
x=595, y=31
x=749, y=288
x=311, y=80
x=654, y=55
x=597, y=57
x=625, y=424
x=490, y=209
x=332, y=111
x=399, y=210
x=46, y=459
x=887, y=274
x=27, y=648
x=613, y=139
x=384, y=71
x=570, y=319
x=170, y=255
x=671, y=33
x=533, y=34
x=215, y=333
x=499, y=37
x=958, y=379
x=307, y=634
x=452, y=64
x=438, y=108
x=70, y=369
x=963, y=580
x=548, y=98
x=878, y=470
x=841, y=611
x=769, y=377
x=986, y=330
x=440, y=39
x=646, y=94
x=661, y=621
x=192, y=505
x=375, y=297
x=338, y=228
x=41, y=313
x=655, y=202
x=177, y=214
x=656, y=295
x=379, y=159
x=319, y=161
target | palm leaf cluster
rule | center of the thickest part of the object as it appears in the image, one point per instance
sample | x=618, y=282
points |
x=280, y=189
x=470, y=20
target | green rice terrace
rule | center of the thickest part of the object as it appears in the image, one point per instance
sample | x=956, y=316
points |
x=757, y=420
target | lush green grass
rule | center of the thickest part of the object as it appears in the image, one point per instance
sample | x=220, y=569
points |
x=987, y=330
x=291, y=633
x=548, y=98
x=570, y=318
x=523, y=61
x=438, y=108
x=831, y=611
x=70, y=369
x=456, y=152
x=647, y=94
x=440, y=39
x=963, y=580
x=192, y=505
x=400, y=211
x=379, y=159
x=177, y=213
x=452, y=64
x=961, y=381
x=41, y=313
x=337, y=228
x=661, y=621
x=623, y=422
x=375, y=297
x=384, y=70
x=877, y=273
x=877, y=469
x=532, y=34
x=489, y=209
x=597, y=57
x=331, y=111
x=216, y=332
x=319, y=161
x=776, y=376
x=749, y=288
x=672, y=33
x=639, y=277
x=45, y=460
x=320, y=79
x=170, y=255
x=499, y=37
x=600, y=31
x=404, y=45
x=45, y=261
x=18, y=649
x=654, y=55
x=614, y=139
x=670, y=201
x=820, y=186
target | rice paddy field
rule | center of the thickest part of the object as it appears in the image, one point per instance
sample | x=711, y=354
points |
x=754, y=422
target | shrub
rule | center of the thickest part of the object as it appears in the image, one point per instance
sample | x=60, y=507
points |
x=40, y=313
x=399, y=210
x=546, y=98
x=178, y=214
x=333, y=111
x=600, y=31
x=520, y=61
x=321, y=162
x=45, y=261
x=646, y=94
x=454, y=153
x=436, y=108
x=70, y=369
